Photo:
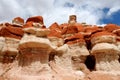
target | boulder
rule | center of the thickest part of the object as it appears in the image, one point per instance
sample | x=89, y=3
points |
x=55, y=26
x=36, y=19
x=28, y=25
x=55, y=31
x=18, y=22
x=35, y=26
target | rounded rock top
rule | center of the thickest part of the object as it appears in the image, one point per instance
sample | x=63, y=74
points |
x=36, y=19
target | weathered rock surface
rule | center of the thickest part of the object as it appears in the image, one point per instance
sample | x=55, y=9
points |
x=12, y=32
x=103, y=36
x=69, y=51
x=18, y=22
x=10, y=37
x=106, y=51
x=102, y=76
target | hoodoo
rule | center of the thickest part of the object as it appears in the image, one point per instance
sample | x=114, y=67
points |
x=69, y=51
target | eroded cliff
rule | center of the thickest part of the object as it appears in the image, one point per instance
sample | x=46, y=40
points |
x=68, y=51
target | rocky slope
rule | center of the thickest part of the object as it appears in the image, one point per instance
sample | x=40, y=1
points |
x=68, y=51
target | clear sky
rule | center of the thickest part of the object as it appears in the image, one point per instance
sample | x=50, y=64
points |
x=98, y=12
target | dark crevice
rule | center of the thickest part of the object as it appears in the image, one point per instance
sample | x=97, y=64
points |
x=88, y=42
x=90, y=62
x=51, y=57
x=8, y=59
x=68, y=40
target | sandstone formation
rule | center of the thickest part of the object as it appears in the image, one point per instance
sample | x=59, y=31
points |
x=55, y=35
x=68, y=51
x=10, y=37
x=105, y=50
x=35, y=47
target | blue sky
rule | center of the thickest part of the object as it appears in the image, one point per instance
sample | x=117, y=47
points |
x=114, y=18
x=98, y=12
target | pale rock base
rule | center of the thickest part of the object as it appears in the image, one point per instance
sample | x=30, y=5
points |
x=107, y=62
x=10, y=46
x=78, y=54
